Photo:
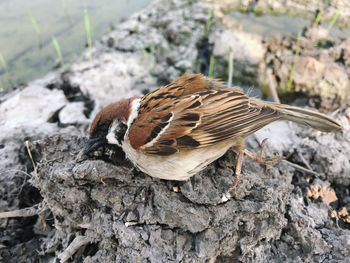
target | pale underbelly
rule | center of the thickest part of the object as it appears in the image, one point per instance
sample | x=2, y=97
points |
x=180, y=166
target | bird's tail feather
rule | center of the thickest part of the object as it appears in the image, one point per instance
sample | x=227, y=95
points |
x=306, y=117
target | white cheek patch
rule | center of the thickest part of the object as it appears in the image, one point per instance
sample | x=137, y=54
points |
x=119, y=128
x=111, y=133
x=134, y=111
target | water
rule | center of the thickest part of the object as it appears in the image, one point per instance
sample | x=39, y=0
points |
x=19, y=41
x=64, y=19
x=269, y=25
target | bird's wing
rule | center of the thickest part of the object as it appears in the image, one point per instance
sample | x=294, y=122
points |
x=197, y=120
x=187, y=84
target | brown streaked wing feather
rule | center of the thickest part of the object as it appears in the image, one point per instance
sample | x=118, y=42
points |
x=164, y=132
x=198, y=120
x=160, y=103
x=229, y=118
x=186, y=85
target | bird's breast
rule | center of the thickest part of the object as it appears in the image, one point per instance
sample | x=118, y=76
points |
x=179, y=166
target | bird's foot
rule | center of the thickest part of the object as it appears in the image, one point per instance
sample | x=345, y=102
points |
x=260, y=159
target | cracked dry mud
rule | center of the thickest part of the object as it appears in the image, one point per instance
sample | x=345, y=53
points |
x=118, y=214
x=132, y=217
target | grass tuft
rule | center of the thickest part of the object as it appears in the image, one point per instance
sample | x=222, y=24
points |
x=5, y=68
x=152, y=59
x=149, y=57
x=88, y=31
x=66, y=13
x=230, y=68
x=335, y=17
x=145, y=53
x=211, y=66
x=292, y=72
x=36, y=28
x=58, y=50
x=318, y=17
x=208, y=22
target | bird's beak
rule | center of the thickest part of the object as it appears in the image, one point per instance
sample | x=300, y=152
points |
x=92, y=144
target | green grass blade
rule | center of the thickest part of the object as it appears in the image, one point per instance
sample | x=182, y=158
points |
x=5, y=68
x=34, y=23
x=3, y=63
x=58, y=50
x=208, y=22
x=230, y=67
x=64, y=5
x=145, y=53
x=211, y=66
x=152, y=59
x=335, y=17
x=88, y=31
x=318, y=17
x=292, y=72
x=66, y=13
x=36, y=28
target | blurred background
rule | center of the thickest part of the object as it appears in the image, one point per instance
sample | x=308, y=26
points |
x=37, y=36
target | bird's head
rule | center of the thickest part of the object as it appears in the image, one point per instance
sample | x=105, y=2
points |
x=110, y=125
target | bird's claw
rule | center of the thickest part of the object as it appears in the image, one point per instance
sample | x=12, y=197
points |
x=260, y=159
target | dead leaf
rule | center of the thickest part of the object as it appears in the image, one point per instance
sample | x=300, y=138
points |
x=326, y=193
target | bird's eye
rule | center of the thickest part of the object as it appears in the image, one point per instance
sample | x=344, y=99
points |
x=101, y=131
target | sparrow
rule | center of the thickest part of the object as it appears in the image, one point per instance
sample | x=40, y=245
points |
x=175, y=131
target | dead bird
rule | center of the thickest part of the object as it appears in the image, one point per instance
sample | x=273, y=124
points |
x=175, y=131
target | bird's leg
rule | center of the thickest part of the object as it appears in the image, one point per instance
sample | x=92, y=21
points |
x=238, y=168
x=259, y=158
x=238, y=171
x=241, y=152
x=227, y=195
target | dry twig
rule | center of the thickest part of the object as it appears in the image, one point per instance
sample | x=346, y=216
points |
x=73, y=247
x=272, y=88
x=25, y=212
x=298, y=167
x=31, y=158
x=230, y=68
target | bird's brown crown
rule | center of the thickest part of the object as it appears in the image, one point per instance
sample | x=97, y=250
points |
x=120, y=109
